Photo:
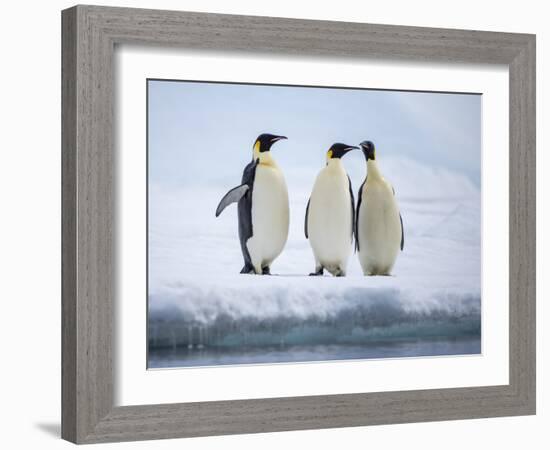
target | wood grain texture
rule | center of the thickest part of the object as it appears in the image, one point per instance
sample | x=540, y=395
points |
x=68, y=225
x=89, y=36
x=523, y=224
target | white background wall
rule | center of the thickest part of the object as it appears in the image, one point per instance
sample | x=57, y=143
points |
x=30, y=226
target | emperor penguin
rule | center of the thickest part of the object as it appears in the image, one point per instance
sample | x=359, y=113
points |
x=379, y=231
x=330, y=215
x=263, y=208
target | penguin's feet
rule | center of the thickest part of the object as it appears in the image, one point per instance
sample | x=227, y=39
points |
x=266, y=270
x=339, y=273
x=247, y=269
x=318, y=272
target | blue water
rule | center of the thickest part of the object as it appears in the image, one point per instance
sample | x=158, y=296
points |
x=215, y=356
x=367, y=324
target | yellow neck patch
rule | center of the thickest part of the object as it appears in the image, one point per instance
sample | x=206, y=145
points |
x=329, y=155
x=264, y=157
x=256, y=150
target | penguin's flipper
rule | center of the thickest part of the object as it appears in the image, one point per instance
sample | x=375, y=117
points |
x=233, y=196
x=400, y=220
x=359, y=199
x=305, y=222
x=352, y=211
x=402, y=232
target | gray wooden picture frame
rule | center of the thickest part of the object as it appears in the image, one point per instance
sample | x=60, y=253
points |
x=90, y=34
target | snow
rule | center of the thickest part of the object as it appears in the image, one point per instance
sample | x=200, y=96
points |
x=195, y=259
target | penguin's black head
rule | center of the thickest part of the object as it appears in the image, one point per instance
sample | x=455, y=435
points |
x=336, y=151
x=265, y=141
x=368, y=150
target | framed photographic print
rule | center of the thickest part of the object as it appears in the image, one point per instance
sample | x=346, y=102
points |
x=427, y=299
x=265, y=229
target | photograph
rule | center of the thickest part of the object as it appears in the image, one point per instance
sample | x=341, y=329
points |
x=301, y=224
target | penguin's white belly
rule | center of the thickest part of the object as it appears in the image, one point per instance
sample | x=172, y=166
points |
x=270, y=216
x=379, y=229
x=330, y=221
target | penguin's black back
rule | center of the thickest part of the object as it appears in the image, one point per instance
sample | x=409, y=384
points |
x=245, y=211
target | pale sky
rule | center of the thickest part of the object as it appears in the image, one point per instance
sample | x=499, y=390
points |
x=202, y=133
